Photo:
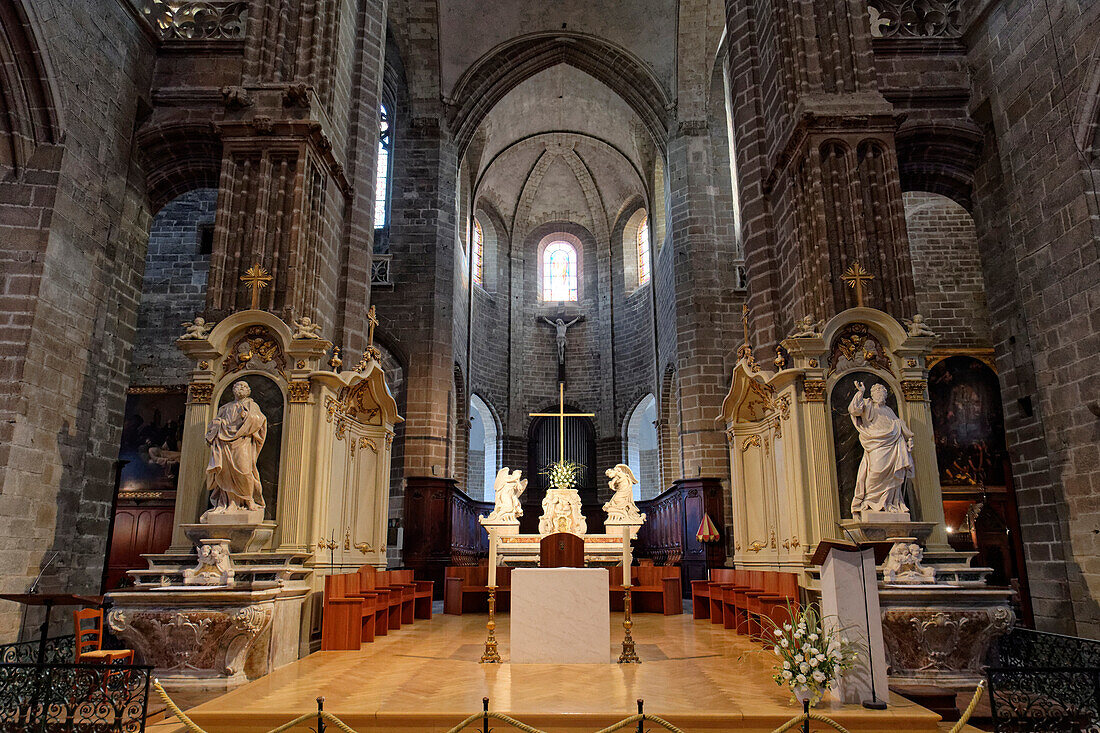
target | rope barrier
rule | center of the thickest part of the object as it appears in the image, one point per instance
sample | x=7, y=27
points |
x=487, y=715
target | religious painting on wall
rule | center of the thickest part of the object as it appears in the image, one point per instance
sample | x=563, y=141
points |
x=968, y=422
x=847, y=448
x=152, y=430
x=270, y=400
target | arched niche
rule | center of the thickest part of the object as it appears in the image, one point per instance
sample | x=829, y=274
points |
x=846, y=446
x=640, y=441
x=271, y=401
x=483, y=461
x=968, y=422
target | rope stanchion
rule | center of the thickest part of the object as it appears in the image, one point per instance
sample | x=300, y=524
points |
x=487, y=715
x=969, y=708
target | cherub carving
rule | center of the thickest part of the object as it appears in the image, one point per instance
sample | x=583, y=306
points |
x=197, y=330
x=214, y=567
x=917, y=326
x=806, y=327
x=305, y=328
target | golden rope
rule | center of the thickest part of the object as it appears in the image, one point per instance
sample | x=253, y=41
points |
x=969, y=708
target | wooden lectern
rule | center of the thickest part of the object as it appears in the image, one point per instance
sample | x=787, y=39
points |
x=561, y=550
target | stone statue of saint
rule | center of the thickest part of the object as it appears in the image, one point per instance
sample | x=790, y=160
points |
x=236, y=436
x=887, y=454
x=621, y=509
x=560, y=327
x=508, y=487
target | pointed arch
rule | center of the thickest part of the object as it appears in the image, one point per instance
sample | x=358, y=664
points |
x=503, y=68
x=29, y=107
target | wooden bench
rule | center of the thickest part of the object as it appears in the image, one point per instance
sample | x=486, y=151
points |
x=390, y=598
x=416, y=595
x=342, y=620
x=780, y=593
x=653, y=589
x=705, y=603
x=466, y=589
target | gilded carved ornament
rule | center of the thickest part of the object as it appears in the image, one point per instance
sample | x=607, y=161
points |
x=257, y=343
x=913, y=389
x=299, y=390
x=201, y=394
x=814, y=390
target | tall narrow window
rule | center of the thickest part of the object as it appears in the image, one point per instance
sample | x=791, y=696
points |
x=559, y=272
x=382, y=180
x=479, y=253
x=643, y=251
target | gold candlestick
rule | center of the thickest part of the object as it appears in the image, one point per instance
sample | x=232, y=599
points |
x=629, y=656
x=491, y=655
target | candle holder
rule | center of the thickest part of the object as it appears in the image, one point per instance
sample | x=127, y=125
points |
x=491, y=655
x=628, y=656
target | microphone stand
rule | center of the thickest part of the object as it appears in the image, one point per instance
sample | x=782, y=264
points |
x=874, y=703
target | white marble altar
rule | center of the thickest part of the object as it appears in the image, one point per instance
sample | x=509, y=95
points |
x=560, y=616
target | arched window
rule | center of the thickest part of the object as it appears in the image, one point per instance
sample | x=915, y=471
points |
x=382, y=180
x=483, y=451
x=641, y=448
x=643, y=251
x=479, y=253
x=559, y=272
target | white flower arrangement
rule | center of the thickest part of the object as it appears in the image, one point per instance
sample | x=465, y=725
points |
x=563, y=474
x=810, y=658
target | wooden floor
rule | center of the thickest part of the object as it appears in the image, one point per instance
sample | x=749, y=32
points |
x=427, y=678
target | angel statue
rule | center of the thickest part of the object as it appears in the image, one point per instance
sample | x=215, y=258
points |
x=622, y=509
x=806, y=327
x=305, y=328
x=508, y=487
x=197, y=330
x=918, y=326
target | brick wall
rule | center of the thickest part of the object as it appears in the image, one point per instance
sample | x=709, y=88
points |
x=173, y=289
x=947, y=270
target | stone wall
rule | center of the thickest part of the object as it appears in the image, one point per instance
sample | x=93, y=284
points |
x=81, y=256
x=173, y=289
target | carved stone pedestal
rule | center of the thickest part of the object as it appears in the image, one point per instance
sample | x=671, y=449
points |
x=938, y=635
x=241, y=537
x=881, y=527
x=561, y=512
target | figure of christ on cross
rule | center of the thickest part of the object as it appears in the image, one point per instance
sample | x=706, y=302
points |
x=561, y=414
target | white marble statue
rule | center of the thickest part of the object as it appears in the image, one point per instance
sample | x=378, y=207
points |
x=560, y=329
x=197, y=329
x=806, y=327
x=887, y=454
x=917, y=326
x=508, y=487
x=236, y=436
x=305, y=328
x=904, y=564
x=621, y=509
x=561, y=512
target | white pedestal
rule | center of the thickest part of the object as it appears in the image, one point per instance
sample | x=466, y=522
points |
x=560, y=616
x=842, y=603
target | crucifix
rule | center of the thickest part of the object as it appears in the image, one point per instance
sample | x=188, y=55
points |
x=371, y=352
x=256, y=278
x=561, y=414
x=855, y=276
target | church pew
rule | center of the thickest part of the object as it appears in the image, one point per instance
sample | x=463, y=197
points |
x=374, y=603
x=754, y=583
x=653, y=589
x=721, y=581
x=342, y=617
x=730, y=618
x=412, y=590
x=466, y=589
x=782, y=592
x=388, y=606
x=401, y=598
x=702, y=603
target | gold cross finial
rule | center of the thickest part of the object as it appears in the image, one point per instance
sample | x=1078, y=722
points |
x=744, y=351
x=371, y=352
x=561, y=414
x=745, y=320
x=855, y=276
x=257, y=278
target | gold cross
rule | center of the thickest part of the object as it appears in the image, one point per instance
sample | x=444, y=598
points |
x=257, y=279
x=371, y=351
x=561, y=414
x=744, y=351
x=372, y=319
x=855, y=276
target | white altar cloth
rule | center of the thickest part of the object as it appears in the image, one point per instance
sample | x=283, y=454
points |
x=560, y=616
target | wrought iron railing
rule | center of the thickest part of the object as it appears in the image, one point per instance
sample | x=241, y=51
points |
x=1044, y=682
x=197, y=20
x=59, y=650
x=76, y=698
x=915, y=18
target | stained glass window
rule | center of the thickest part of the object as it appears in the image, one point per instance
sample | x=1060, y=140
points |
x=643, y=251
x=382, y=180
x=479, y=253
x=559, y=272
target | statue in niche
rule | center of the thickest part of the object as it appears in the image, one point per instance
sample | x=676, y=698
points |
x=508, y=487
x=235, y=437
x=621, y=509
x=560, y=328
x=887, y=454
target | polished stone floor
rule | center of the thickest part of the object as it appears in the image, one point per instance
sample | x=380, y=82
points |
x=426, y=677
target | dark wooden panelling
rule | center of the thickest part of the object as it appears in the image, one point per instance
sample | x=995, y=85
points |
x=441, y=528
x=672, y=519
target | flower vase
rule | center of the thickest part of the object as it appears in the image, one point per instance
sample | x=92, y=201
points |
x=803, y=695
